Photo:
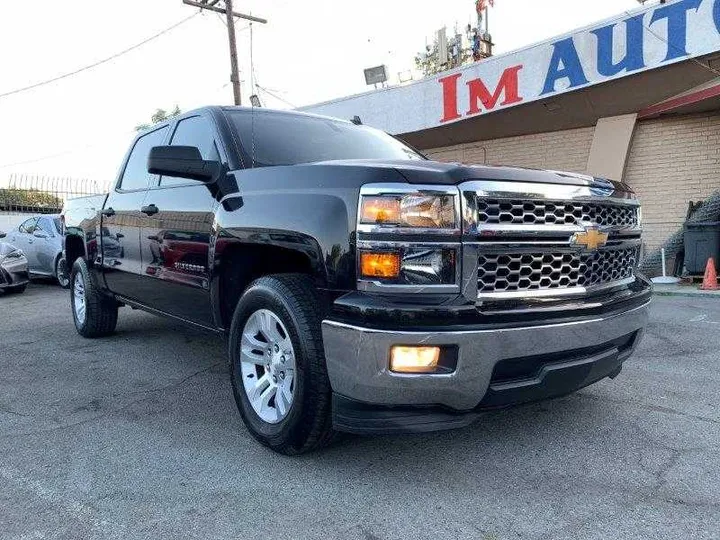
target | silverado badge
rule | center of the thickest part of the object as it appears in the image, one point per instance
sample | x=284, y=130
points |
x=591, y=239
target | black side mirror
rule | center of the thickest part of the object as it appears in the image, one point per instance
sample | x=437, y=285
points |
x=181, y=162
x=3, y=234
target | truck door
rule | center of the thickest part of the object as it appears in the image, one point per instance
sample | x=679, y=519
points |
x=122, y=218
x=176, y=239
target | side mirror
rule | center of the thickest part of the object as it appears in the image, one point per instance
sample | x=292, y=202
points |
x=182, y=162
x=119, y=236
x=3, y=234
x=40, y=234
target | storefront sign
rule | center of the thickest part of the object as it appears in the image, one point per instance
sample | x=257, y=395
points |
x=628, y=44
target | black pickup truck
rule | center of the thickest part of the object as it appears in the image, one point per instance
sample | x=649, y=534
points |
x=362, y=287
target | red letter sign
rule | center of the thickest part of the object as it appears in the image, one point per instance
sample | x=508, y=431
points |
x=479, y=92
x=450, y=105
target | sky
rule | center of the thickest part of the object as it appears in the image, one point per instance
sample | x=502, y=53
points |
x=310, y=51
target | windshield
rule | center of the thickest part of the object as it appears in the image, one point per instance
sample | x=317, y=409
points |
x=285, y=139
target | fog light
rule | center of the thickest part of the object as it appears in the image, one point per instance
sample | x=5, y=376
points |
x=383, y=265
x=414, y=359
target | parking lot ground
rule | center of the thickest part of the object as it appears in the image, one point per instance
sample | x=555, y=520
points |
x=137, y=436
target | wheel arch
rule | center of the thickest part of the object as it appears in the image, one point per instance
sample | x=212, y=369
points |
x=75, y=248
x=238, y=264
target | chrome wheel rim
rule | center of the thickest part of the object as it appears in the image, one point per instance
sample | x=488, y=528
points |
x=61, y=273
x=267, y=365
x=79, y=298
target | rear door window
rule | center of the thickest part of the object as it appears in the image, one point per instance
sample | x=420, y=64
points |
x=135, y=176
x=194, y=131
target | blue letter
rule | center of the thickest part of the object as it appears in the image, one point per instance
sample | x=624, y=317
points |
x=633, y=47
x=716, y=14
x=676, y=15
x=572, y=69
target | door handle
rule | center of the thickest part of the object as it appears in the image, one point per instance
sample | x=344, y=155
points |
x=108, y=212
x=149, y=210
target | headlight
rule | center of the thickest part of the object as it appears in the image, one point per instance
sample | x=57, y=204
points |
x=16, y=254
x=413, y=210
x=409, y=266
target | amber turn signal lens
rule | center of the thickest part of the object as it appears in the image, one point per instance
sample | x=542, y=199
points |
x=383, y=265
x=414, y=359
x=380, y=210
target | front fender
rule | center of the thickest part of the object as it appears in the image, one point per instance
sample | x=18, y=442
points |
x=310, y=209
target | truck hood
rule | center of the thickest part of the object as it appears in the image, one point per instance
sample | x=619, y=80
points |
x=435, y=172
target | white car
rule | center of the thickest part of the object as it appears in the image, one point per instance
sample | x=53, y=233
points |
x=40, y=237
x=14, y=274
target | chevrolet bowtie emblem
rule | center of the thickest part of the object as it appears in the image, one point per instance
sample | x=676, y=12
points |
x=591, y=239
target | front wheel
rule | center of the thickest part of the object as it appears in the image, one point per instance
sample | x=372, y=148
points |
x=95, y=314
x=277, y=365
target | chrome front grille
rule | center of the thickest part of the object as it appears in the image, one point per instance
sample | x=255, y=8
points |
x=548, y=270
x=544, y=212
x=537, y=240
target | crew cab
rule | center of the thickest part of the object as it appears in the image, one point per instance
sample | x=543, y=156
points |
x=362, y=287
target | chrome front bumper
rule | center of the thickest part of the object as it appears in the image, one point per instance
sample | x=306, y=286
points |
x=358, y=358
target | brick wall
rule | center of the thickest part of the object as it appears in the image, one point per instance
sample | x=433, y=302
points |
x=562, y=150
x=673, y=160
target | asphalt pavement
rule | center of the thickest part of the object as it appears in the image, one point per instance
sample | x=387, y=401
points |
x=137, y=436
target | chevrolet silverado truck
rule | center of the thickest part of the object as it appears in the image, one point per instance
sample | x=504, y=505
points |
x=362, y=287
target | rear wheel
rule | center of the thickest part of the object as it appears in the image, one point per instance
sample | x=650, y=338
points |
x=277, y=365
x=94, y=313
x=61, y=273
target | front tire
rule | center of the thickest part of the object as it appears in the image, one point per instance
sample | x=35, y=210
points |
x=94, y=313
x=277, y=365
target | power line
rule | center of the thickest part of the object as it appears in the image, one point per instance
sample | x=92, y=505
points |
x=100, y=62
x=230, y=24
x=79, y=148
x=268, y=92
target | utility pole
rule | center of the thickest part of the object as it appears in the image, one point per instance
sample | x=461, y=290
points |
x=211, y=5
x=234, y=73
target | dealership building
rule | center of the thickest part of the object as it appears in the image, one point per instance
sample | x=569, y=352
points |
x=635, y=98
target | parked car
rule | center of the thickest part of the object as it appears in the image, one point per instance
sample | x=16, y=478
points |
x=14, y=274
x=41, y=239
x=362, y=287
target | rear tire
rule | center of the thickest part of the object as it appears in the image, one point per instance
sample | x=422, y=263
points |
x=61, y=273
x=288, y=302
x=94, y=313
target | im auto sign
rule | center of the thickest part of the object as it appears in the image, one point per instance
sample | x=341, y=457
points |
x=631, y=43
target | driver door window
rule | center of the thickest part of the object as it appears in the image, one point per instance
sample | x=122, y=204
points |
x=194, y=131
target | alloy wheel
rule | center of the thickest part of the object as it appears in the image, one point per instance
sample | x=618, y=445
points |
x=61, y=273
x=267, y=362
x=79, y=303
